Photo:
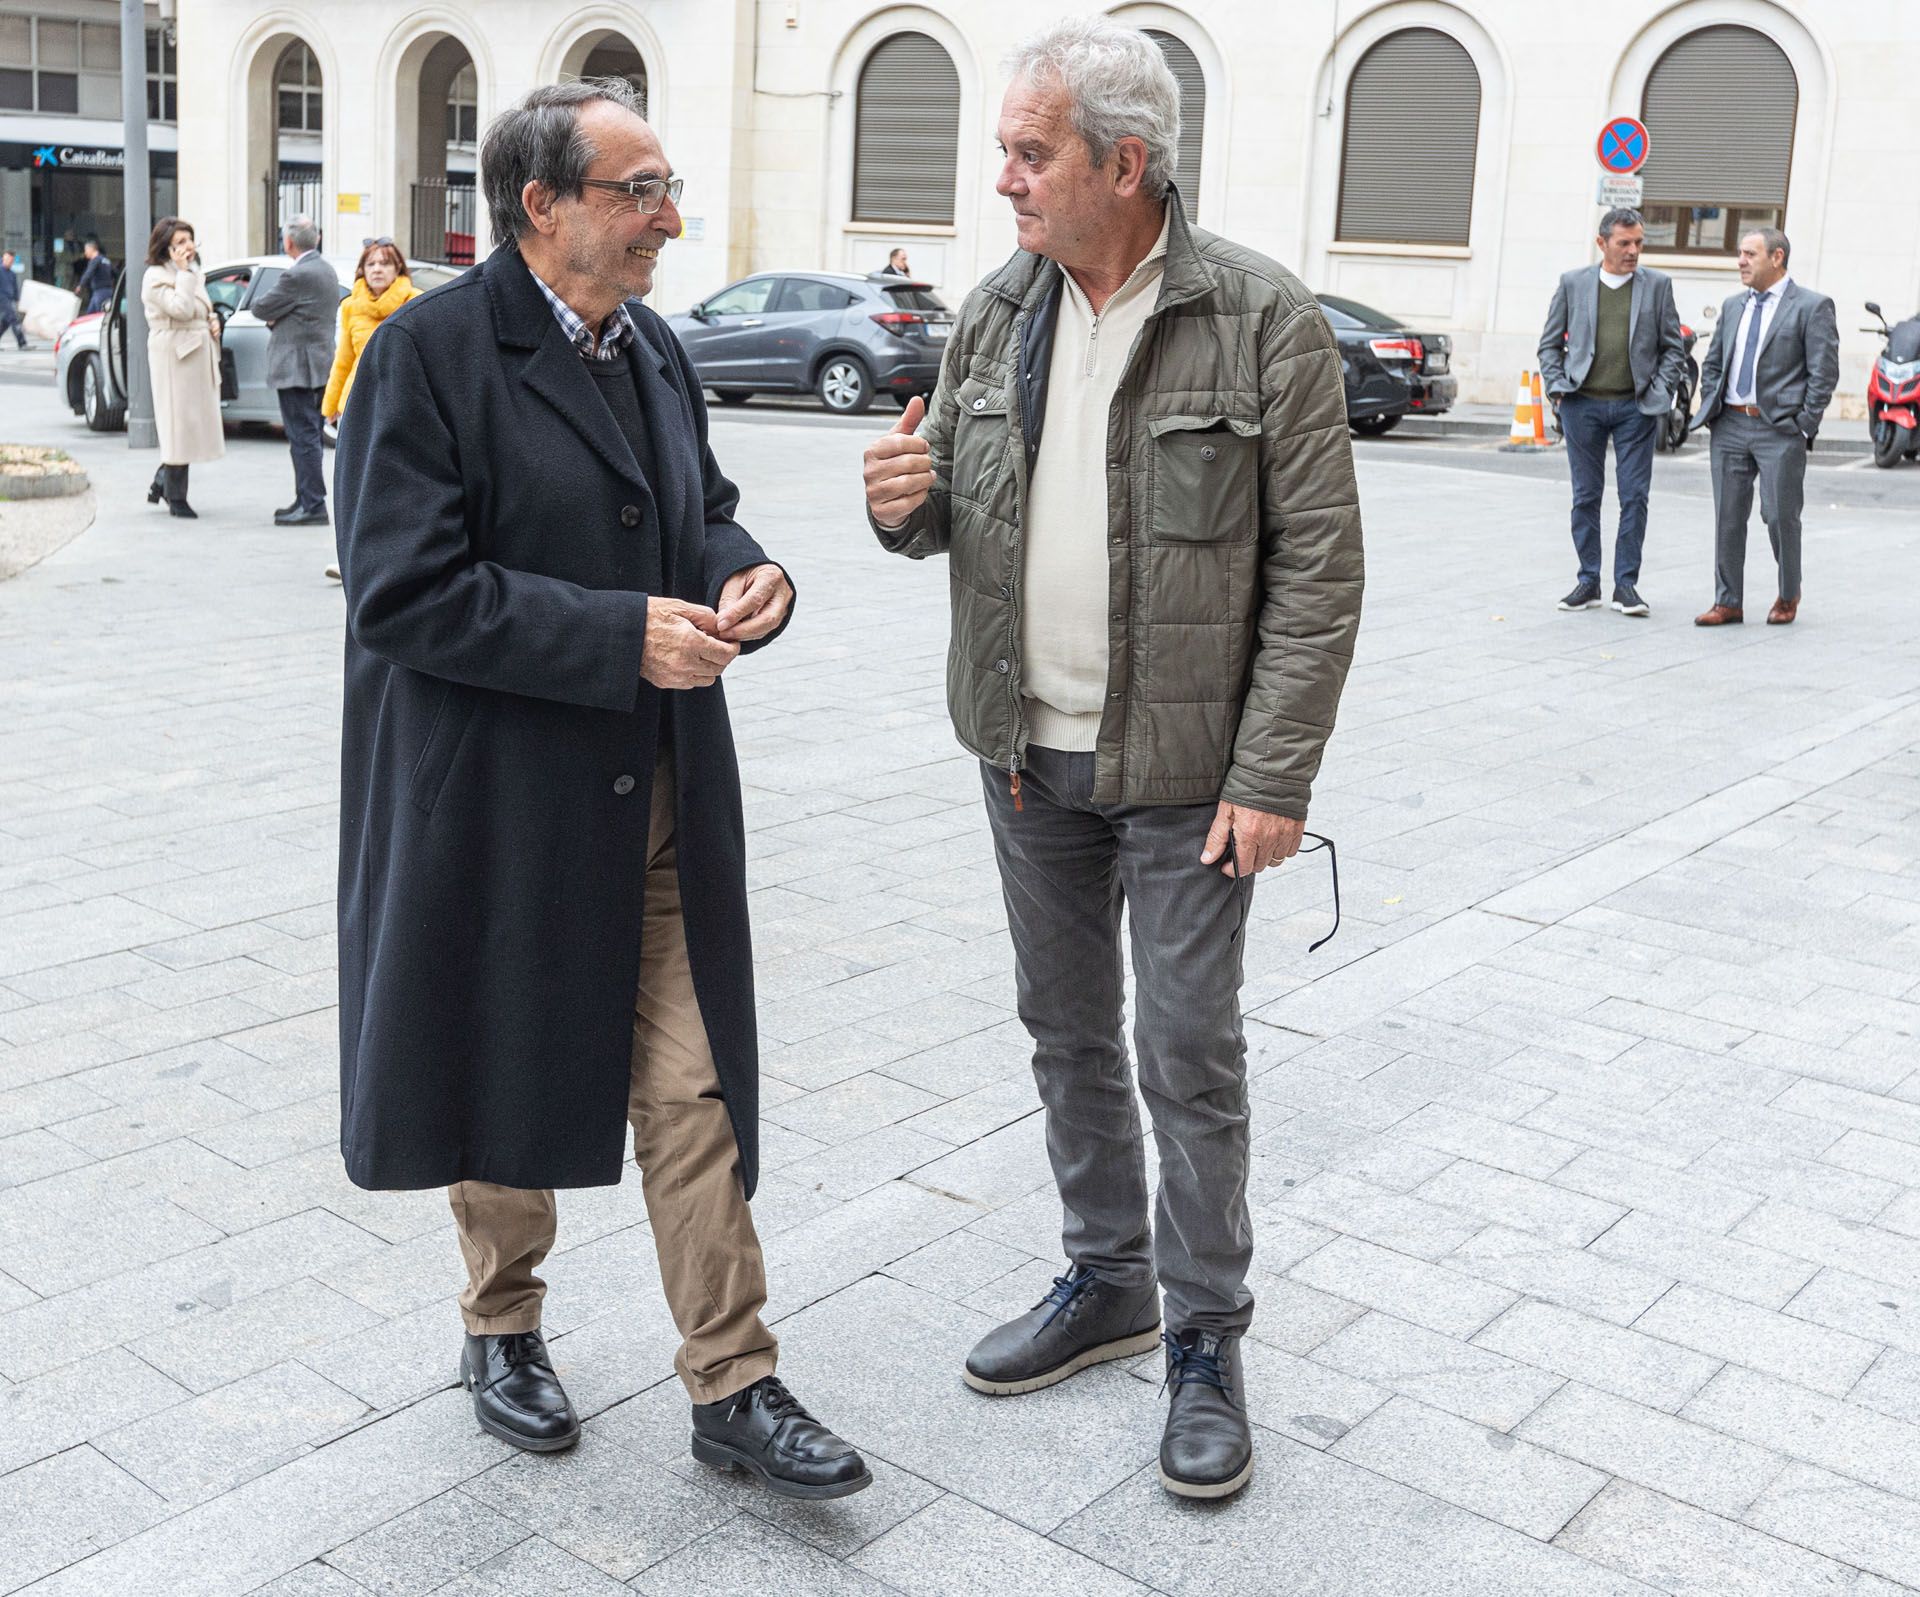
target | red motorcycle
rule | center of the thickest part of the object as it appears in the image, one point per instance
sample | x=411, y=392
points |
x=1893, y=391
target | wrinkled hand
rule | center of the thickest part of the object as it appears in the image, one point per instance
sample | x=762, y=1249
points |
x=681, y=650
x=899, y=468
x=1259, y=839
x=753, y=603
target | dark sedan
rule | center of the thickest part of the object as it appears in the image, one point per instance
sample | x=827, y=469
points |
x=1390, y=370
x=842, y=337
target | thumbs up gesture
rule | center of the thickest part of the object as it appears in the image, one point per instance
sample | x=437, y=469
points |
x=899, y=468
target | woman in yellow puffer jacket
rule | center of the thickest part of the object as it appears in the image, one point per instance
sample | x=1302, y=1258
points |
x=380, y=287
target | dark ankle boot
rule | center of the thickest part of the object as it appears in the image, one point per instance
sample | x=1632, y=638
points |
x=157, y=490
x=177, y=493
x=1207, y=1450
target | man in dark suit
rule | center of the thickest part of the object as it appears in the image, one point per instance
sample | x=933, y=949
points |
x=896, y=264
x=1764, y=387
x=95, y=287
x=10, y=321
x=303, y=309
x=543, y=903
x=1610, y=358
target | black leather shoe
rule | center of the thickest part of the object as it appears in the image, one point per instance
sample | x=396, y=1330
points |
x=516, y=1395
x=763, y=1430
x=1082, y=1321
x=1207, y=1450
x=157, y=490
x=301, y=518
x=287, y=510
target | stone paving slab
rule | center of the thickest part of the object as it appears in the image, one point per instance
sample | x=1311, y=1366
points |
x=1587, y=1157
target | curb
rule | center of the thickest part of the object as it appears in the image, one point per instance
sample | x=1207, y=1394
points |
x=49, y=485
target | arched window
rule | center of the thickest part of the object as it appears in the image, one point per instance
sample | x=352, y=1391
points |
x=1193, y=115
x=298, y=87
x=1719, y=106
x=1412, y=132
x=906, y=146
x=615, y=57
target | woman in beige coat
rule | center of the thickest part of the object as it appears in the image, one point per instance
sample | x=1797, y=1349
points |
x=183, y=354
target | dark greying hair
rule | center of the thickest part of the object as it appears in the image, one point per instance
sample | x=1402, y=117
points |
x=1620, y=216
x=540, y=141
x=1771, y=239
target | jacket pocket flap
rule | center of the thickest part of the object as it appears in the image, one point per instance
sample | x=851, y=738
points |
x=1202, y=424
x=977, y=397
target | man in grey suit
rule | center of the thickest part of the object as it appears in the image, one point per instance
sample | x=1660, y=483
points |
x=1610, y=358
x=1764, y=387
x=303, y=309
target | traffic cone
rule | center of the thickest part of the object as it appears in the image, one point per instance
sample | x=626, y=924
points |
x=1540, y=439
x=1520, y=434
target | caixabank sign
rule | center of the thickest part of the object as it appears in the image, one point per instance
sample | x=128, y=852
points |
x=80, y=158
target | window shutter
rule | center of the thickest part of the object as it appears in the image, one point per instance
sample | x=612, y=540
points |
x=1185, y=66
x=1720, y=107
x=906, y=133
x=1412, y=134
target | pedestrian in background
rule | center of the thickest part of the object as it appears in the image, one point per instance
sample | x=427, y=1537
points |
x=380, y=287
x=1610, y=357
x=1765, y=385
x=302, y=308
x=183, y=355
x=96, y=279
x=896, y=265
x=10, y=319
x=1138, y=463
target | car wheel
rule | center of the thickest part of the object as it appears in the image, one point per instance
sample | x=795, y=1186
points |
x=1373, y=426
x=733, y=396
x=845, y=386
x=103, y=416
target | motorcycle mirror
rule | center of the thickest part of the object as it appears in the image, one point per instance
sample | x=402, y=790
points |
x=1873, y=309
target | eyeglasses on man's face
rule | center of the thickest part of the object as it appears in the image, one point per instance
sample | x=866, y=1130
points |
x=648, y=193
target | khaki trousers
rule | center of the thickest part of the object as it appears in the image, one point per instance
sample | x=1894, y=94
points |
x=710, y=1262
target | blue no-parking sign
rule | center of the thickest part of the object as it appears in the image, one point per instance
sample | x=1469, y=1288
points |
x=1623, y=146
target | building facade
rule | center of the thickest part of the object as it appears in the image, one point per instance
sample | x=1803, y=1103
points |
x=1435, y=159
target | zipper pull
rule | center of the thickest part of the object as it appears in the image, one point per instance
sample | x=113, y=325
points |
x=1013, y=786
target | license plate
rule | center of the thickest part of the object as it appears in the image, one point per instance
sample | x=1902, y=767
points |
x=938, y=330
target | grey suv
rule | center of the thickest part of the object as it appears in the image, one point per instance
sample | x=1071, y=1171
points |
x=843, y=337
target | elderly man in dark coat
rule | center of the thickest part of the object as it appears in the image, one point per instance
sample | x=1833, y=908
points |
x=543, y=909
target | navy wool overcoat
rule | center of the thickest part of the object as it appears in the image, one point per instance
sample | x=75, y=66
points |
x=499, y=539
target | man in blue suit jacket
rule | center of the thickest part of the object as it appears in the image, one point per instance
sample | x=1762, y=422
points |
x=1764, y=387
x=543, y=905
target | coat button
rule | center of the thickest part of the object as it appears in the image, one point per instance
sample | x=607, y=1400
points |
x=980, y=404
x=629, y=515
x=1006, y=590
x=1208, y=452
x=1002, y=667
x=623, y=785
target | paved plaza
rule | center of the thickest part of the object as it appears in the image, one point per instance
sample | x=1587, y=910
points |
x=1587, y=1177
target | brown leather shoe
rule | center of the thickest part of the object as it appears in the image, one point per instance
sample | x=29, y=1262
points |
x=1783, y=612
x=1721, y=615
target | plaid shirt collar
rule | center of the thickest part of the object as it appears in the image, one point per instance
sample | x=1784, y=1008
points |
x=616, y=332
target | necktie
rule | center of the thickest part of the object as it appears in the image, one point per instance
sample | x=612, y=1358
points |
x=1751, y=349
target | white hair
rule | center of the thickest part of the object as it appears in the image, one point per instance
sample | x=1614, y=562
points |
x=1118, y=86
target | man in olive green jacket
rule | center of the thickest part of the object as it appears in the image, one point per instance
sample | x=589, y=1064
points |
x=1137, y=462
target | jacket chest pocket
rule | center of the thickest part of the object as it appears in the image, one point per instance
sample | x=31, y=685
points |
x=1205, y=479
x=980, y=439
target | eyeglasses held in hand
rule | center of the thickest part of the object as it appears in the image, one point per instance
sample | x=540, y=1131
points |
x=1318, y=844
x=649, y=193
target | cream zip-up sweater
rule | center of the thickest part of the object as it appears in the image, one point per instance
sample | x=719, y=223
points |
x=1064, y=618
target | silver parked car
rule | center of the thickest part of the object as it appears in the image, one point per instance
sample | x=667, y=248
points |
x=90, y=357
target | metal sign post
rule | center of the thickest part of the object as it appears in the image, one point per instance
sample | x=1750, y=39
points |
x=137, y=202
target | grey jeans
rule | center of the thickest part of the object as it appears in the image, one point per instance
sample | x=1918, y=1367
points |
x=1746, y=451
x=1066, y=867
